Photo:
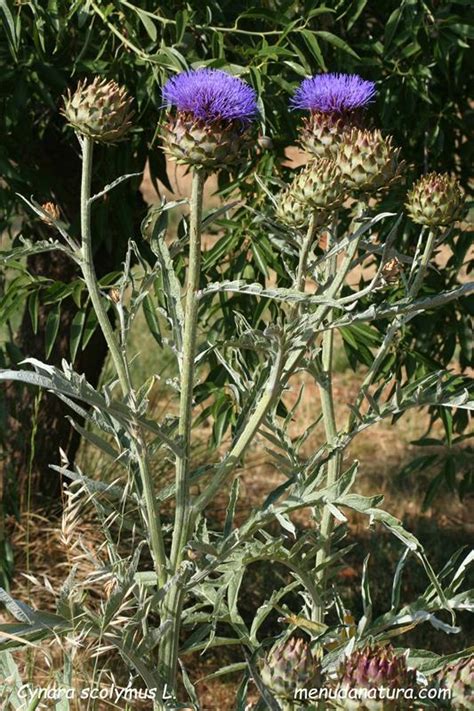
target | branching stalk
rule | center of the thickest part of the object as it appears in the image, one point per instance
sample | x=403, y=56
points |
x=119, y=361
x=187, y=370
x=327, y=403
x=330, y=425
x=172, y=605
x=304, y=254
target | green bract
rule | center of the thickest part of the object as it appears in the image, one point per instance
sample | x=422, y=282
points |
x=376, y=668
x=320, y=133
x=435, y=200
x=290, y=211
x=289, y=666
x=100, y=110
x=319, y=185
x=367, y=160
x=208, y=144
x=459, y=678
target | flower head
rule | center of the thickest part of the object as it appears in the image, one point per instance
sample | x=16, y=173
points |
x=99, y=109
x=333, y=93
x=211, y=95
x=52, y=212
x=436, y=199
x=368, y=161
x=288, y=666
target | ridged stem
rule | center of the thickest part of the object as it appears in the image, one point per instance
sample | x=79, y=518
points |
x=330, y=426
x=187, y=370
x=119, y=361
x=88, y=268
x=173, y=602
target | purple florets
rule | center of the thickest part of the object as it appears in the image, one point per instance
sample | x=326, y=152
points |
x=333, y=93
x=211, y=95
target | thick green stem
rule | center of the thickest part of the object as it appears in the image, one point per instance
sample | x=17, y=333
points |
x=173, y=602
x=304, y=254
x=425, y=260
x=88, y=268
x=302, y=268
x=330, y=425
x=119, y=360
x=187, y=371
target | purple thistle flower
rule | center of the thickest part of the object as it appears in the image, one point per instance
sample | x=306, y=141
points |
x=333, y=93
x=211, y=95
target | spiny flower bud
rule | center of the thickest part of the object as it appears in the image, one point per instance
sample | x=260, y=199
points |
x=368, y=161
x=375, y=668
x=336, y=103
x=435, y=200
x=114, y=294
x=459, y=679
x=292, y=212
x=320, y=133
x=289, y=666
x=319, y=185
x=214, y=112
x=52, y=211
x=392, y=271
x=100, y=110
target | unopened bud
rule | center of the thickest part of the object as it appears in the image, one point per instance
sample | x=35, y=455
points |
x=391, y=271
x=52, y=211
x=435, y=200
x=100, y=110
x=368, y=161
x=115, y=295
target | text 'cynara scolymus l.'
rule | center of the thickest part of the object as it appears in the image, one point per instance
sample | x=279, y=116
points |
x=213, y=113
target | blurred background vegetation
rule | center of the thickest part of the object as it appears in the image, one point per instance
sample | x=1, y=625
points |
x=418, y=53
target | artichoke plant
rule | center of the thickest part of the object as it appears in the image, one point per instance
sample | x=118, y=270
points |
x=459, y=679
x=292, y=212
x=100, y=110
x=290, y=666
x=435, y=200
x=369, y=670
x=211, y=128
x=196, y=142
x=336, y=103
x=368, y=161
x=319, y=185
x=320, y=133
